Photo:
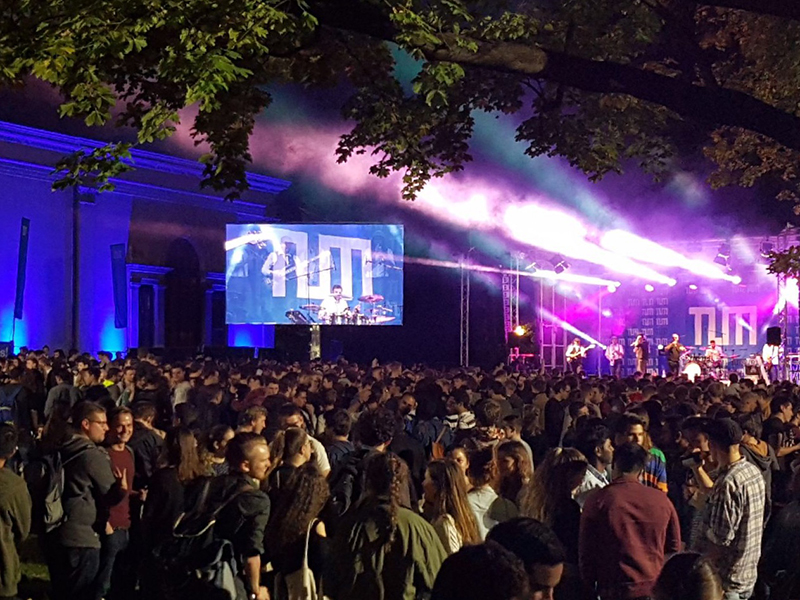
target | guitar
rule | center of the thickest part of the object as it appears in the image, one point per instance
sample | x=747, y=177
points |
x=581, y=353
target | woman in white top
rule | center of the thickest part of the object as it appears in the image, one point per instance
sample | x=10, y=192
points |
x=489, y=508
x=446, y=504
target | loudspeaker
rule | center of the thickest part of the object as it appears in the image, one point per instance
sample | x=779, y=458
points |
x=774, y=336
x=119, y=279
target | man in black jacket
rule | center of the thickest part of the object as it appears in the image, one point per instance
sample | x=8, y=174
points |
x=244, y=518
x=90, y=488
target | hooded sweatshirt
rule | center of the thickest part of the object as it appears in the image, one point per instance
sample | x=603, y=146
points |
x=761, y=454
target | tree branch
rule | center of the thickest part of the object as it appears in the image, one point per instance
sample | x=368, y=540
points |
x=786, y=9
x=714, y=106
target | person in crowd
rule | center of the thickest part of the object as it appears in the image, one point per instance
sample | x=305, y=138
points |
x=688, y=576
x=631, y=428
x=115, y=540
x=252, y=420
x=538, y=548
x=289, y=415
x=779, y=567
x=626, y=531
x=514, y=470
x=146, y=443
x=459, y=414
x=216, y=445
x=460, y=456
x=289, y=451
x=179, y=385
x=91, y=487
x=338, y=426
x=512, y=427
x=549, y=497
x=294, y=523
x=178, y=468
x=63, y=392
x=594, y=442
x=483, y=572
x=734, y=519
x=487, y=505
x=15, y=514
x=244, y=517
x=445, y=495
x=384, y=550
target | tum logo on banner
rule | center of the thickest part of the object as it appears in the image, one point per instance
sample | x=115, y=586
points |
x=745, y=319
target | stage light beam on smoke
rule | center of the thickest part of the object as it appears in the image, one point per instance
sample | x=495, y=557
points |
x=559, y=232
x=549, y=275
x=644, y=250
x=545, y=314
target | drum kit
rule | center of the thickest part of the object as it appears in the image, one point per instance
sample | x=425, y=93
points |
x=699, y=365
x=369, y=311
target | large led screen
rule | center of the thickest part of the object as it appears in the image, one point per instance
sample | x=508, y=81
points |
x=305, y=274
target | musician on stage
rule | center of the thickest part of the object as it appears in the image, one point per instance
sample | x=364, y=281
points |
x=642, y=349
x=575, y=355
x=674, y=350
x=615, y=353
x=333, y=306
x=771, y=355
x=714, y=355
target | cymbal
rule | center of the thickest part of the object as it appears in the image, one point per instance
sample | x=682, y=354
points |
x=382, y=309
x=311, y=307
x=371, y=298
x=380, y=320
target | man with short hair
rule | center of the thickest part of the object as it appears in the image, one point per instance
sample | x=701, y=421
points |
x=539, y=549
x=63, y=393
x=253, y=420
x=594, y=442
x=145, y=442
x=179, y=385
x=243, y=520
x=91, y=487
x=15, y=514
x=481, y=572
x=116, y=539
x=291, y=416
x=631, y=428
x=627, y=530
x=734, y=513
x=339, y=422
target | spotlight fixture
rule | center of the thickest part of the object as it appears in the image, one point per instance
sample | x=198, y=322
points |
x=520, y=330
x=723, y=255
x=649, y=288
x=611, y=288
x=766, y=248
x=534, y=266
x=693, y=287
x=560, y=264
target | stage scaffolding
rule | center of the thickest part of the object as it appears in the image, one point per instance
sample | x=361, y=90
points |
x=552, y=337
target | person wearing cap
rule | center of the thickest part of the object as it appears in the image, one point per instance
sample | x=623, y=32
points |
x=734, y=518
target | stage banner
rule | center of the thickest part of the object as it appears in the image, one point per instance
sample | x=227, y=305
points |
x=22, y=262
x=119, y=278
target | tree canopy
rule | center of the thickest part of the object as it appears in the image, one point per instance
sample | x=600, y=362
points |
x=599, y=83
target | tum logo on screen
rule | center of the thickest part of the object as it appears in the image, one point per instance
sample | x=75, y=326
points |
x=743, y=318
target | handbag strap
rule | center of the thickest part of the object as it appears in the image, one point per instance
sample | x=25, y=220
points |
x=308, y=539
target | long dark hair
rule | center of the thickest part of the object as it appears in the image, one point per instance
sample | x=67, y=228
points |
x=386, y=481
x=510, y=484
x=303, y=497
x=180, y=453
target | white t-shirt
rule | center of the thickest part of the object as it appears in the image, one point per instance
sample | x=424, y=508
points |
x=331, y=306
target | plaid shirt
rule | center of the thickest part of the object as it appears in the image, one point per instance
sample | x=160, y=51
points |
x=734, y=522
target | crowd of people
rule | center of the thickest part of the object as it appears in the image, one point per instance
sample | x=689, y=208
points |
x=253, y=479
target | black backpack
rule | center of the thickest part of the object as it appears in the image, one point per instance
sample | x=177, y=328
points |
x=347, y=482
x=45, y=479
x=8, y=401
x=193, y=562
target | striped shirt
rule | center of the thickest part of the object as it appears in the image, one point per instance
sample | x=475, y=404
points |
x=655, y=474
x=734, y=523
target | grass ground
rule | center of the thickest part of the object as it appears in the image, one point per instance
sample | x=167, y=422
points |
x=35, y=582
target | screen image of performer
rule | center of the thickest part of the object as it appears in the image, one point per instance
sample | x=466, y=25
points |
x=245, y=281
x=714, y=355
x=642, y=349
x=279, y=275
x=575, y=355
x=615, y=354
x=674, y=350
x=771, y=355
x=334, y=308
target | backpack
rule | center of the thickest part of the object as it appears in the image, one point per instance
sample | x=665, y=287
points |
x=45, y=479
x=346, y=482
x=8, y=404
x=193, y=562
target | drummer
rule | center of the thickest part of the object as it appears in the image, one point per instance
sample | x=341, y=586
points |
x=714, y=355
x=334, y=308
x=674, y=350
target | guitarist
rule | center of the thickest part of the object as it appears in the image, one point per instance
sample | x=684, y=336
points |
x=674, y=350
x=575, y=355
x=278, y=272
x=771, y=355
